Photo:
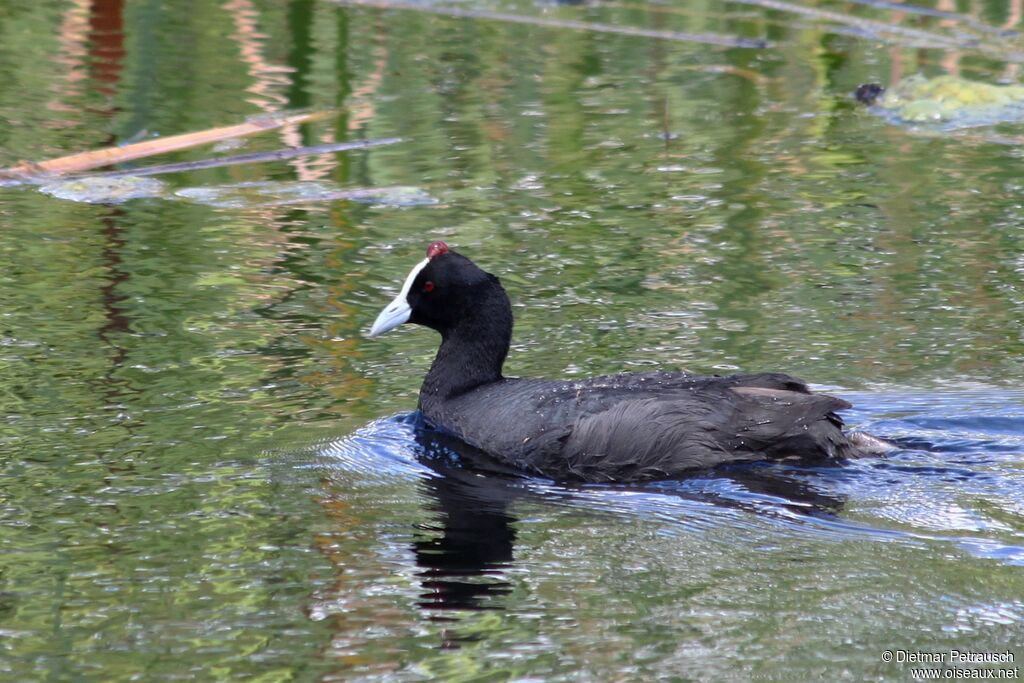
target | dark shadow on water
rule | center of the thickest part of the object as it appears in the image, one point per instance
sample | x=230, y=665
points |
x=464, y=554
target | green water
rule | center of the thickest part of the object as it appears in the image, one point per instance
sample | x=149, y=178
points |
x=201, y=477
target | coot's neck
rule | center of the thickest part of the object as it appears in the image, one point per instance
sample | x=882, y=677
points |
x=472, y=351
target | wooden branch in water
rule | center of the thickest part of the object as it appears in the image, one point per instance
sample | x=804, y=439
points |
x=488, y=15
x=251, y=158
x=86, y=161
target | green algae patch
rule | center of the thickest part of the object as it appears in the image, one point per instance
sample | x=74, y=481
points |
x=119, y=189
x=273, y=193
x=949, y=102
x=104, y=190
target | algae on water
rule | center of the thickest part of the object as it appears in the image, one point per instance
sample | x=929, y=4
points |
x=951, y=102
x=104, y=190
x=280, y=193
x=119, y=189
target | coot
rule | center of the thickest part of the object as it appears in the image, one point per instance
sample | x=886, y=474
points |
x=616, y=428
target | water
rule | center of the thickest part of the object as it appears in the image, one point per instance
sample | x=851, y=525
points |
x=207, y=472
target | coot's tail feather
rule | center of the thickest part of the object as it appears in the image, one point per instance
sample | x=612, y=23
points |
x=870, y=445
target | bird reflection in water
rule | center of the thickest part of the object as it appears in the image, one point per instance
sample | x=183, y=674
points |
x=463, y=556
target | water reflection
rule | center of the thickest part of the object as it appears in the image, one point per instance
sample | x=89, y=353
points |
x=463, y=553
x=150, y=350
x=440, y=551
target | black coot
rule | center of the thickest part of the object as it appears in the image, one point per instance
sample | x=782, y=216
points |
x=615, y=428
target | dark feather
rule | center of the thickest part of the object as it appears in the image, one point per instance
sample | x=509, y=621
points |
x=647, y=426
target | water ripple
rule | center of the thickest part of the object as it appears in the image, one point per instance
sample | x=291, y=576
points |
x=956, y=480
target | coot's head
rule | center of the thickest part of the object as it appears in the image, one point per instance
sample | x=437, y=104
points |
x=868, y=93
x=440, y=291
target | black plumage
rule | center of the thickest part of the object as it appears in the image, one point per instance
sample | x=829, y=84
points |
x=616, y=428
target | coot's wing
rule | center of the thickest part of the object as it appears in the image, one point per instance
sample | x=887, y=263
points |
x=651, y=438
x=645, y=426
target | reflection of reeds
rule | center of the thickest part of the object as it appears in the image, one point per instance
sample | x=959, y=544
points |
x=73, y=36
x=270, y=81
x=270, y=87
x=974, y=33
x=107, y=45
x=1014, y=14
x=361, y=101
x=964, y=32
x=945, y=10
x=912, y=37
x=570, y=24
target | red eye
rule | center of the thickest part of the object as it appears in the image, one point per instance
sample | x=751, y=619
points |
x=428, y=287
